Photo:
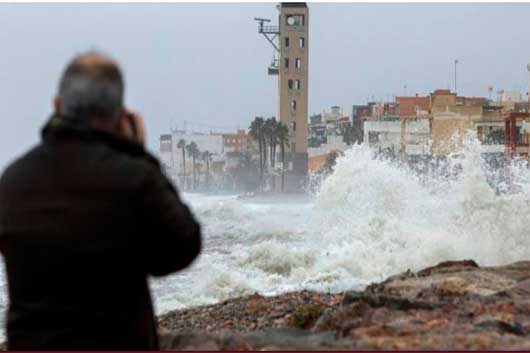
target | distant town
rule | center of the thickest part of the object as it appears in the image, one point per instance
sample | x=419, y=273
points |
x=409, y=127
x=278, y=154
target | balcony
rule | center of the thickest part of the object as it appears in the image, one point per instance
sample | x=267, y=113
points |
x=269, y=29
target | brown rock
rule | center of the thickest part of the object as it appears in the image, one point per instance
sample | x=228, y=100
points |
x=453, y=305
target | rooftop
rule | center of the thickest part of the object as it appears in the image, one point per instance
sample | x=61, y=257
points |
x=293, y=4
x=442, y=91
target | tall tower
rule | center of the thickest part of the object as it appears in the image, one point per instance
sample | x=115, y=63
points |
x=293, y=79
x=290, y=40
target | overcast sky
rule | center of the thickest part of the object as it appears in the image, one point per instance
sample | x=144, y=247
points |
x=206, y=63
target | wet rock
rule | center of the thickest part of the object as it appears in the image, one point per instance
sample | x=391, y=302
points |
x=271, y=339
x=453, y=305
x=448, y=266
x=351, y=296
x=324, y=322
x=295, y=339
x=187, y=340
x=254, y=312
x=306, y=315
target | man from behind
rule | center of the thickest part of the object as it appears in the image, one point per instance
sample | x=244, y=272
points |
x=85, y=217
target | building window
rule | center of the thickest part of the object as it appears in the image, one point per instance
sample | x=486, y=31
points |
x=287, y=42
x=297, y=84
x=286, y=63
x=290, y=84
x=298, y=63
x=293, y=105
x=302, y=42
x=294, y=126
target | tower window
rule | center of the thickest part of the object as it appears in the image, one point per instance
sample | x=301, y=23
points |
x=302, y=42
x=293, y=105
x=297, y=84
x=287, y=42
x=294, y=126
x=290, y=84
x=298, y=63
x=286, y=63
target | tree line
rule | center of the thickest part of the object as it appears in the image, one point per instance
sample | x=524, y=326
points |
x=256, y=165
x=269, y=134
x=196, y=155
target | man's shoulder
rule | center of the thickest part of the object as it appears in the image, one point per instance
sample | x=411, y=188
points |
x=97, y=162
x=122, y=169
x=21, y=163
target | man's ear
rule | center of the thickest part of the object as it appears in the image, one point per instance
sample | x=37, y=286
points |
x=56, y=104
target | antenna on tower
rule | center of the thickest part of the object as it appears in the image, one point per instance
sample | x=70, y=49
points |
x=270, y=33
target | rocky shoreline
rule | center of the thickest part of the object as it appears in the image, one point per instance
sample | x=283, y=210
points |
x=453, y=305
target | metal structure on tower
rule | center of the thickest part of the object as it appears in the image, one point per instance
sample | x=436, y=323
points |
x=271, y=33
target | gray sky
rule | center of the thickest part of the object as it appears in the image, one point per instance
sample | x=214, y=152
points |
x=206, y=63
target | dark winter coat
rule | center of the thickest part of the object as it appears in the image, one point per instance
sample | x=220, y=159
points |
x=85, y=217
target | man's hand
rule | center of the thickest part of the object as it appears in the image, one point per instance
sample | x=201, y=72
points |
x=132, y=127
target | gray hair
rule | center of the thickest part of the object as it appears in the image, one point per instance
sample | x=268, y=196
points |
x=91, y=88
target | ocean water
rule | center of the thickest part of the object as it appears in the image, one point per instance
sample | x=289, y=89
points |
x=370, y=219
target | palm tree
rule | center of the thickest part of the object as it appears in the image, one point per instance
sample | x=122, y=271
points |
x=274, y=141
x=189, y=150
x=270, y=128
x=182, y=145
x=282, y=135
x=193, y=152
x=265, y=132
x=206, y=156
x=256, y=132
x=195, y=155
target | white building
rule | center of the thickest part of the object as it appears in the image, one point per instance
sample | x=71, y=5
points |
x=509, y=96
x=414, y=134
x=171, y=154
x=166, y=155
x=383, y=134
x=334, y=143
x=333, y=115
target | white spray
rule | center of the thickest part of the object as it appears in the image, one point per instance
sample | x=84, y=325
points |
x=370, y=219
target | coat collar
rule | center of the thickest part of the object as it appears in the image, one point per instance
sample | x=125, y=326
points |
x=58, y=127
